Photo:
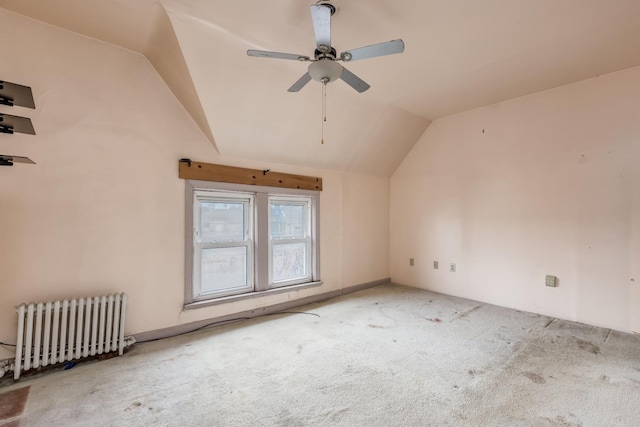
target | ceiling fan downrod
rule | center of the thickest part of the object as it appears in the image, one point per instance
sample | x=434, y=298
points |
x=328, y=4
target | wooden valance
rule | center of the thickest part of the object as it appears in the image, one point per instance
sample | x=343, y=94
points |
x=189, y=169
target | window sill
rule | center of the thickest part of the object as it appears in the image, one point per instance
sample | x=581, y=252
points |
x=248, y=295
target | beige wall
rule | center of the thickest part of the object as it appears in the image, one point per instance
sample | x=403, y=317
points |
x=103, y=210
x=544, y=184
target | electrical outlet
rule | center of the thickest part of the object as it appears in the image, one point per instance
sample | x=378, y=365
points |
x=435, y=265
x=452, y=267
x=551, y=281
x=411, y=262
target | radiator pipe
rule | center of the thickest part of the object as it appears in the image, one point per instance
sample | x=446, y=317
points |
x=5, y=366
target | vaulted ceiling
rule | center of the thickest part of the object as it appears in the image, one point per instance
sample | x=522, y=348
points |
x=459, y=55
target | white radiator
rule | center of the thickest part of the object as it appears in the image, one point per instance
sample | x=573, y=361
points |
x=61, y=331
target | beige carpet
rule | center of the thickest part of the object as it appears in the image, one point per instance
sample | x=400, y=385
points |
x=387, y=356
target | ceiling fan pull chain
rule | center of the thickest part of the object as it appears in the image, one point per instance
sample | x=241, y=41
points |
x=324, y=109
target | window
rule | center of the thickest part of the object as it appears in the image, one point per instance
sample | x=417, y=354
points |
x=289, y=240
x=244, y=241
x=223, y=244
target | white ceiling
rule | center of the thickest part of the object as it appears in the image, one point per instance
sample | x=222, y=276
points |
x=459, y=55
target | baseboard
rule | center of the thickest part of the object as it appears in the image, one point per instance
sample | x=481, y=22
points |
x=248, y=314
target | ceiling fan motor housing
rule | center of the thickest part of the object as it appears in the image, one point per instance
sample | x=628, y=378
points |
x=325, y=52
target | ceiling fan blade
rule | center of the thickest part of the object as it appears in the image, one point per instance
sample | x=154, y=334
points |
x=277, y=55
x=321, y=17
x=11, y=124
x=302, y=81
x=8, y=160
x=354, y=81
x=380, y=49
x=15, y=94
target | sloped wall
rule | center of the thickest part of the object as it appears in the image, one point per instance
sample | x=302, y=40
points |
x=543, y=184
x=103, y=209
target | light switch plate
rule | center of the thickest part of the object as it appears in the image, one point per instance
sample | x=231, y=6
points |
x=551, y=281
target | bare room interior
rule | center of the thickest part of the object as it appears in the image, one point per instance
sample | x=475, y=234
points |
x=341, y=213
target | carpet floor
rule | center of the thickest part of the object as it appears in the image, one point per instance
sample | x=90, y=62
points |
x=386, y=356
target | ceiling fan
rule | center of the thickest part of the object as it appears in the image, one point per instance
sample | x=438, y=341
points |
x=324, y=66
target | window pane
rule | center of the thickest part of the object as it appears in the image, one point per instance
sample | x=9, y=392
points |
x=222, y=221
x=289, y=261
x=288, y=221
x=223, y=269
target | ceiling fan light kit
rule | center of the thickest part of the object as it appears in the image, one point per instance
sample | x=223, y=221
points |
x=324, y=67
x=325, y=71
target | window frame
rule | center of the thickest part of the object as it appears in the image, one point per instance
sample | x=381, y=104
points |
x=307, y=202
x=247, y=200
x=261, y=249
